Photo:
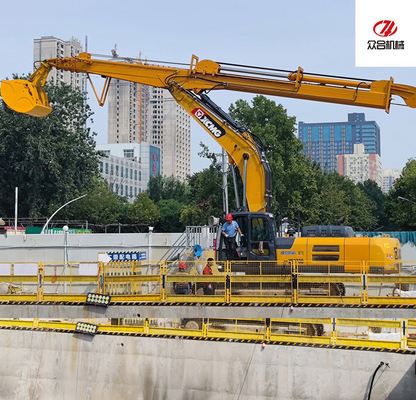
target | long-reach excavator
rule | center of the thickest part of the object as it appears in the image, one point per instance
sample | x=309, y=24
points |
x=318, y=245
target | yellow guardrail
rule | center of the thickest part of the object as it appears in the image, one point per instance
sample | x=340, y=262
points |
x=231, y=282
x=360, y=334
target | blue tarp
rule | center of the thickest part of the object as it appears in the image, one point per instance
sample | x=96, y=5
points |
x=403, y=237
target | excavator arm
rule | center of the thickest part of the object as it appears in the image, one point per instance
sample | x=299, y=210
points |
x=243, y=150
x=206, y=75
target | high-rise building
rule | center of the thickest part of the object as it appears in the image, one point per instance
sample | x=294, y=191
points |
x=139, y=113
x=360, y=167
x=324, y=141
x=51, y=47
x=127, y=112
x=170, y=128
x=389, y=176
x=128, y=167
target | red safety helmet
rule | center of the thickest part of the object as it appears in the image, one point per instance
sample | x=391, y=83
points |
x=182, y=265
x=229, y=217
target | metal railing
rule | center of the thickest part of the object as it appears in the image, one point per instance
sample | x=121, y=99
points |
x=230, y=282
x=203, y=236
x=353, y=334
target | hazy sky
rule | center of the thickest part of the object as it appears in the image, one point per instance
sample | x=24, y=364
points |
x=317, y=35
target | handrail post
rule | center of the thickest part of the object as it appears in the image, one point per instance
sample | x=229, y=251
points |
x=268, y=329
x=227, y=281
x=294, y=268
x=101, y=275
x=41, y=273
x=334, y=331
x=163, y=291
x=204, y=327
x=364, y=283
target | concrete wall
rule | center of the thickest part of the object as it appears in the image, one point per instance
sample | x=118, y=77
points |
x=82, y=247
x=47, y=365
x=409, y=251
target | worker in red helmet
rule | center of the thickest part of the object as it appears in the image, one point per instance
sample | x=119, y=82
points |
x=229, y=230
x=182, y=287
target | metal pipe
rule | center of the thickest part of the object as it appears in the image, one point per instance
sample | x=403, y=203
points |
x=237, y=200
x=246, y=157
x=224, y=181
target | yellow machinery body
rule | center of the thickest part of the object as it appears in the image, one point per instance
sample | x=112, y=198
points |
x=347, y=253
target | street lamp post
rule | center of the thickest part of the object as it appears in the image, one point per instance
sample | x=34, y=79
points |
x=59, y=209
x=403, y=198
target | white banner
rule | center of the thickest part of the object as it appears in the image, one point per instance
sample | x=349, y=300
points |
x=88, y=269
x=25, y=268
x=385, y=33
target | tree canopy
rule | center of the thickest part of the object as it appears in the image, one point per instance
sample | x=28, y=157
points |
x=401, y=201
x=49, y=159
x=321, y=198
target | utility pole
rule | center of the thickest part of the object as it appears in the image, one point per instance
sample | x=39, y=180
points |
x=224, y=181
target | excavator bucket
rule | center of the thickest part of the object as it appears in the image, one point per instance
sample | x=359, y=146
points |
x=25, y=97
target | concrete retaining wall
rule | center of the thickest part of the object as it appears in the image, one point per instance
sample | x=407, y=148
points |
x=47, y=365
x=82, y=247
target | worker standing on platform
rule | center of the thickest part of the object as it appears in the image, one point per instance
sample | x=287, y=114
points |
x=229, y=230
x=209, y=288
x=182, y=287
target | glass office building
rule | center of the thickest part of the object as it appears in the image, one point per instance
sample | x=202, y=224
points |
x=324, y=141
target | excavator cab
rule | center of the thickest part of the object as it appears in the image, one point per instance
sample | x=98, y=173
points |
x=258, y=240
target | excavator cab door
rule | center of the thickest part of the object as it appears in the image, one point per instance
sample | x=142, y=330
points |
x=261, y=237
x=258, y=240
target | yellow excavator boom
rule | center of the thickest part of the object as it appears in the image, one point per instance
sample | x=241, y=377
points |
x=29, y=97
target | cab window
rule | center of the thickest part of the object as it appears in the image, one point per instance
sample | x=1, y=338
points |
x=260, y=230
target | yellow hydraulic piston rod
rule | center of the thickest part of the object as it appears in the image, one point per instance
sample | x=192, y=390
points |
x=29, y=97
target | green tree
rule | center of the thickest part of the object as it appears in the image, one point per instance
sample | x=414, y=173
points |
x=49, y=159
x=100, y=206
x=206, y=196
x=170, y=214
x=292, y=174
x=402, y=213
x=165, y=188
x=322, y=198
x=143, y=211
x=374, y=192
x=337, y=196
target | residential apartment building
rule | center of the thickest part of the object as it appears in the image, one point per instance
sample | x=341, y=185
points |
x=360, y=166
x=128, y=167
x=389, y=176
x=51, y=47
x=139, y=113
x=128, y=112
x=324, y=141
x=170, y=128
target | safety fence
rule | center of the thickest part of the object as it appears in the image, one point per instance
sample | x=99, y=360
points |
x=353, y=334
x=230, y=282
